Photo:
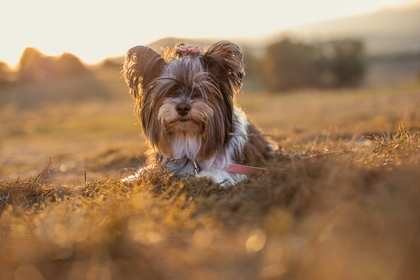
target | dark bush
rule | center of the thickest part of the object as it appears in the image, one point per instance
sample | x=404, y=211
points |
x=348, y=62
x=289, y=64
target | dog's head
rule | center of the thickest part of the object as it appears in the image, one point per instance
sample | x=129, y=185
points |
x=185, y=93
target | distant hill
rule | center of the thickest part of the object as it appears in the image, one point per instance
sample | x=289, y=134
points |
x=163, y=43
x=160, y=44
x=384, y=32
x=393, y=36
x=172, y=41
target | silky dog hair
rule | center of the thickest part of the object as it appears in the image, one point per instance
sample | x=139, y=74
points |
x=185, y=102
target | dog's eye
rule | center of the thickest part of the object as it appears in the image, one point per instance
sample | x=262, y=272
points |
x=196, y=94
x=173, y=93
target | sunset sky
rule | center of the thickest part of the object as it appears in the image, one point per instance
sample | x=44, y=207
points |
x=94, y=30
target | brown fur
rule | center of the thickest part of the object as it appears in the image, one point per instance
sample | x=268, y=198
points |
x=257, y=148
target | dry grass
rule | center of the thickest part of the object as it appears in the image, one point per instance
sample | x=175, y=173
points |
x=353, y=214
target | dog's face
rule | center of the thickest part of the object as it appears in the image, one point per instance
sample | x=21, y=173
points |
x=185, y=99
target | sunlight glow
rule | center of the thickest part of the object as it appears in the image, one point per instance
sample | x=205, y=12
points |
x=94, y=30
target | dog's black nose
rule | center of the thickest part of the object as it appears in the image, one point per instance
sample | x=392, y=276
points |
x=182, y=108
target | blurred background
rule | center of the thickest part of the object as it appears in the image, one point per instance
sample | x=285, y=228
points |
x=62, y=96
x=321, y=76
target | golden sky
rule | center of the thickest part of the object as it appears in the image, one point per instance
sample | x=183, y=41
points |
x=94, y=30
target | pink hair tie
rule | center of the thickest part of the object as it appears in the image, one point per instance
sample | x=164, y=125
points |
x=188, y=49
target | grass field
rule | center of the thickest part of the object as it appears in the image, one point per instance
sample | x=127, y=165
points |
x=354, y=214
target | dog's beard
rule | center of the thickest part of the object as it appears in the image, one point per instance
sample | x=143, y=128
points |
x=195, y=122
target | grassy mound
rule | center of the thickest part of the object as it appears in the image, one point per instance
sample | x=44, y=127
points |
x=352, y=214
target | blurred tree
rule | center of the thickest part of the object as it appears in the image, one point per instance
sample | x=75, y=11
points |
x=69, y=65
x=253, y=71
x=288, y=65
x=112, y=63
x=4, y=73
x=348, y=62
x=35, y=66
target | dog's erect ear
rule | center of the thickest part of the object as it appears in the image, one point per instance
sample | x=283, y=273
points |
x=224, y=59
x=141, y=66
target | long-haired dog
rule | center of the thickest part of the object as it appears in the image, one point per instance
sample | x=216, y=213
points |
x=184, y=99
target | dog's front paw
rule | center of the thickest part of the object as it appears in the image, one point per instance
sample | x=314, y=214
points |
x=143, y=174
x=222, y=177
x=130, y=179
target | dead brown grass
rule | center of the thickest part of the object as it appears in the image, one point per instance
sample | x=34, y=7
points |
x=352, y=214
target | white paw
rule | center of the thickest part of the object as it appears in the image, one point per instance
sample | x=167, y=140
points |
x=222, y=177
x=130, y=179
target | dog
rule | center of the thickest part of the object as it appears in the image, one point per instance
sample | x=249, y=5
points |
x=184, y=99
